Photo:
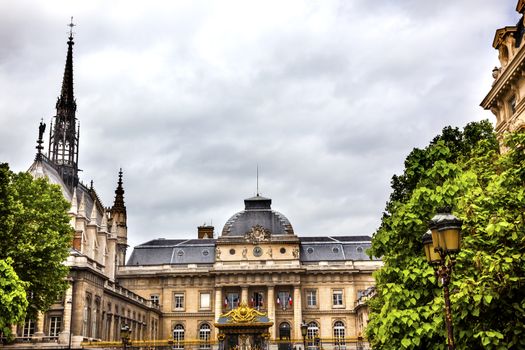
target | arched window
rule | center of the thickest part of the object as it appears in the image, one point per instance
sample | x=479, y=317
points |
x=312, y=335
x=204, y=336
x=178, y=337
x=339, y=335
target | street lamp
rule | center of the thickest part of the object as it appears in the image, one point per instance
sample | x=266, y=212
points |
x=443, y=240
x=124, y=335
x=304, y=330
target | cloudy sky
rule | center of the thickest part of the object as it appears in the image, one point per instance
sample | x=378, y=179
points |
x=327, y=97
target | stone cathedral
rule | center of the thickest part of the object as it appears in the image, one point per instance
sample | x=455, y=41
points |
x=256, y=284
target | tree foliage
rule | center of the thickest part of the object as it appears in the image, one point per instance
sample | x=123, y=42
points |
x=13, y=301
x=464, y=170
x=35, y=236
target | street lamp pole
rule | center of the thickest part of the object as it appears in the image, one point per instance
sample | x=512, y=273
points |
x=304, y=331
x=442, y=241
x=124, y=335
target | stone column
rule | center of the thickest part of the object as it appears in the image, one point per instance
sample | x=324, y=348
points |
x=297, y=316
x=218, y=303
x=271, y=310
x=244, y=295
x=39, y=334
x=63, y=337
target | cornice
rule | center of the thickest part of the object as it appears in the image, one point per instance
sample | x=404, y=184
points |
x=503, y=82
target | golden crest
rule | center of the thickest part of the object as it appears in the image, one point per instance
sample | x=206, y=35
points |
x=243, y=313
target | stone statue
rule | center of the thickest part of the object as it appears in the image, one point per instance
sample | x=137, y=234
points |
x=295, y=253
x=217, y=253
x=244, y=252
x=270, y=253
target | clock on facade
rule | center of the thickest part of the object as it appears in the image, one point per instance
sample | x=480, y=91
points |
x=257, y=251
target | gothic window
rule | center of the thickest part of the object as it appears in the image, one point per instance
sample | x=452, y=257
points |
x=339, y=335
x=96, y=319
x=178, y=337
x=55, y=323
x=204, y=336
x=86, y=325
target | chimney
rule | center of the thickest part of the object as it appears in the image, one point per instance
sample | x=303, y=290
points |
x=205, y=231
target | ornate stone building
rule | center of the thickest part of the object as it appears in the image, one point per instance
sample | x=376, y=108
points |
x=174, y=291
x=95, y=305
x=506, y=98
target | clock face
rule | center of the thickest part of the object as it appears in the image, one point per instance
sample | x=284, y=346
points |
x=257, y=251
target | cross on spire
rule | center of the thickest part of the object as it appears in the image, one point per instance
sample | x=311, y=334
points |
x=71, y=25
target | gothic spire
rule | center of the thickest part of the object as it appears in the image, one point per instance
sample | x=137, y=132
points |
x=63, y=141
x=118, y=205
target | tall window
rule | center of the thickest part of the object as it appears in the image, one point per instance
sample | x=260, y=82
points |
x=339, y=335
x=312, y=333
x=86, y=326
x=337, y=298
x=232, y=300
x=205, y=301
x=178, y=337
x=55, y=323
x=96, y=319
x=257, y=300
x=29, y=328
x=283, y=299
x=311, y=298
x=512, y=105
x=204, y=336
x=179, y=301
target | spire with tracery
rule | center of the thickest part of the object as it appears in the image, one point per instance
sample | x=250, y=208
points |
x=63, y=139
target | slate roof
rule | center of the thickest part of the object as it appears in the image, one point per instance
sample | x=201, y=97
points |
x=202, y=251
x=257, y=211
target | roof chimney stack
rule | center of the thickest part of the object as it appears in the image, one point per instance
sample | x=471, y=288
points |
x=205, y=231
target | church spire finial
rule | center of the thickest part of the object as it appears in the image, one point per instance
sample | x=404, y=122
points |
x=118, y=205
x=63, y=140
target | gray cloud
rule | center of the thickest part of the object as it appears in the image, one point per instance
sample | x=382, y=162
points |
x=188, y=97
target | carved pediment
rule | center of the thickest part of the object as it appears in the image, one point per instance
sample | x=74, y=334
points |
x=257, y=234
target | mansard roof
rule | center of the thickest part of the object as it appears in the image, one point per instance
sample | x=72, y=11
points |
x=202, y=251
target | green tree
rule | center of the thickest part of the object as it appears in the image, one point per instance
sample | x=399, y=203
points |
x=13, y=301
x=462, y=169
x=35, y=234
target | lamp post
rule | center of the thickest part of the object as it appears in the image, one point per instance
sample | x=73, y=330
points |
x=304, y=330
x=124, y=335
x=442, y=241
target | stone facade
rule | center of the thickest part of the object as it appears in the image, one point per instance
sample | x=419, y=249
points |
x=506, y=98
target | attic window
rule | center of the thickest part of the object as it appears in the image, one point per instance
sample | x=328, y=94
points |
x=310, y=250
x=335, y=250
x=180, y=253
x=205, y=252
x=359, y=249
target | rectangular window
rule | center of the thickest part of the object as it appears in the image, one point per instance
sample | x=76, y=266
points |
x=205, y=300
x=232, y=300
x=337, y=298
x=29, y=329
x=311, y=298
x=257, y=300
x=178, y=301
x=155, y=299
x=55, y=322
x=284, y=300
